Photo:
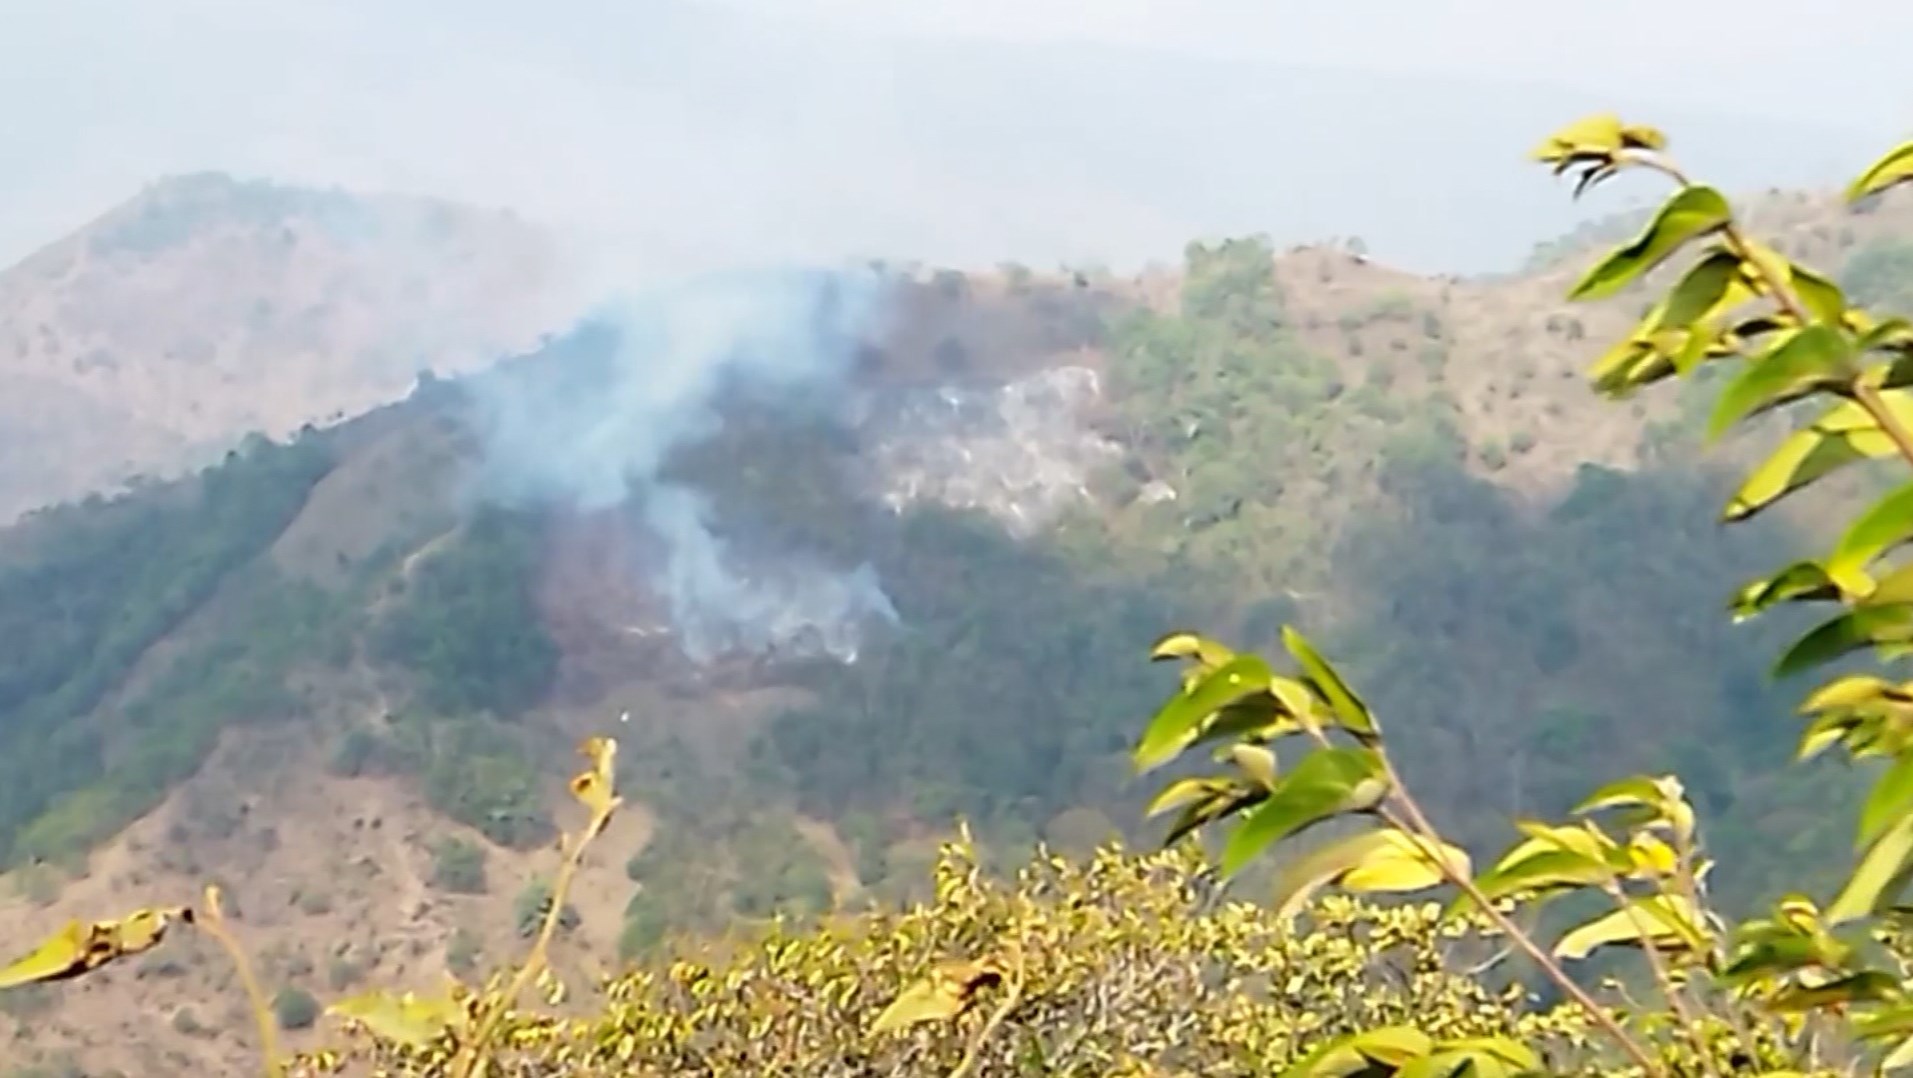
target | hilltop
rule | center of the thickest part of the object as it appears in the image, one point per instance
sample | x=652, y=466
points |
x=151, y=339
x=337, y=673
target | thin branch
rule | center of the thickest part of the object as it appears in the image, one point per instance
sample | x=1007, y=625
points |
x=974, y=1052
x=1867, y=396
x=472, y=1053
x=213, y=920
x=1690, y=1024
x=1418, y=823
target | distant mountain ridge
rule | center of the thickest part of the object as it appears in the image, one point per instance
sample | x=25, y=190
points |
x=208, y=307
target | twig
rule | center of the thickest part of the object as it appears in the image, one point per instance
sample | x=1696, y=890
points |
x=1657, y=962
x=975, y=1050
x=472, y=1053
x=213, y=920
x=1416, y=822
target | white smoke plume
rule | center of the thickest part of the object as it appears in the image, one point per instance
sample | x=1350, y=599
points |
x=593, y=425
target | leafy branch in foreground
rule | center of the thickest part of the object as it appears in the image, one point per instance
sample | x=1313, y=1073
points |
x=1772, y=993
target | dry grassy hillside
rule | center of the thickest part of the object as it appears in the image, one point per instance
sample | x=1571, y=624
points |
x=207, y=307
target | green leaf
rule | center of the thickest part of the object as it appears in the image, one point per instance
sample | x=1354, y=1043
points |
x=1186, y=792
x=1823, y=298
x=1511, y=1052
x=1706, y=285
x=1887, y=524
x=1862, y=627
x=1385, y=1050
x=1866, y=986
x=1692, y=212
x=1803, y=581
x=1633, y=790
x=1542, y=870
x=1177, y=724
x=1349, y=709
x=1810, y=359
x=1880, y=874
x=1666, y=920
x=1203, y=813
x=1385, y=861
x=1328, y=782
x=1894, y=168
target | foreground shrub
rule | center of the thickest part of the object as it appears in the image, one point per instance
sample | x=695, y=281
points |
x=1120, y=964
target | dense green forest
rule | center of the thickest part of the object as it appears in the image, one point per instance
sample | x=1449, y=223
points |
x=83, y=595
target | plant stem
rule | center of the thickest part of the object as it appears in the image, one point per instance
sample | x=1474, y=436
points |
x=1657, y=962
x=472, y=1053
x=1417, y=822
x=1867, y=396
x=974, y=1052
x=213, y=921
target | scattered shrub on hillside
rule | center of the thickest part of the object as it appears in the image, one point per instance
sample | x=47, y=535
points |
x=533, y=903
x=295, y=1008
x=463, y=952
x=458, y=866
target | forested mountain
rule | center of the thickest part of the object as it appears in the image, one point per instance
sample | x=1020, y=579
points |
x=924, y=566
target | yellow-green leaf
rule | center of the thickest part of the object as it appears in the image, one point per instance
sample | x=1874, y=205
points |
x=405, y=1018
x=1184, y=645
x=1600, y=134
x=1887, y=524
x=1185, y=792
x=1880, y=875
x=1804, y=581
x=1895, y=167
x=1667, y=920
x=1633, y=790
x=1841, y=436
x=1693, y=212
x=1390, y=1047
x=1846, y=691
x=1385, y=861
x=946, y=993
x=1813, y=358
x=79, y=948
x=1256, y=761
x=1865, y=986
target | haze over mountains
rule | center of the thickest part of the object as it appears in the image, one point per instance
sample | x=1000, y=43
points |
x=812, y=407
x=685, y=135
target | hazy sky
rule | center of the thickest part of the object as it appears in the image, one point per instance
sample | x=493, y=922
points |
x=956, y=130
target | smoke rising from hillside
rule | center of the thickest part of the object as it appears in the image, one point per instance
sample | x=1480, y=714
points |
x=594, y=425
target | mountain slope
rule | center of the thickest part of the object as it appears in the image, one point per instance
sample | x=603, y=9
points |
x=152, y=339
